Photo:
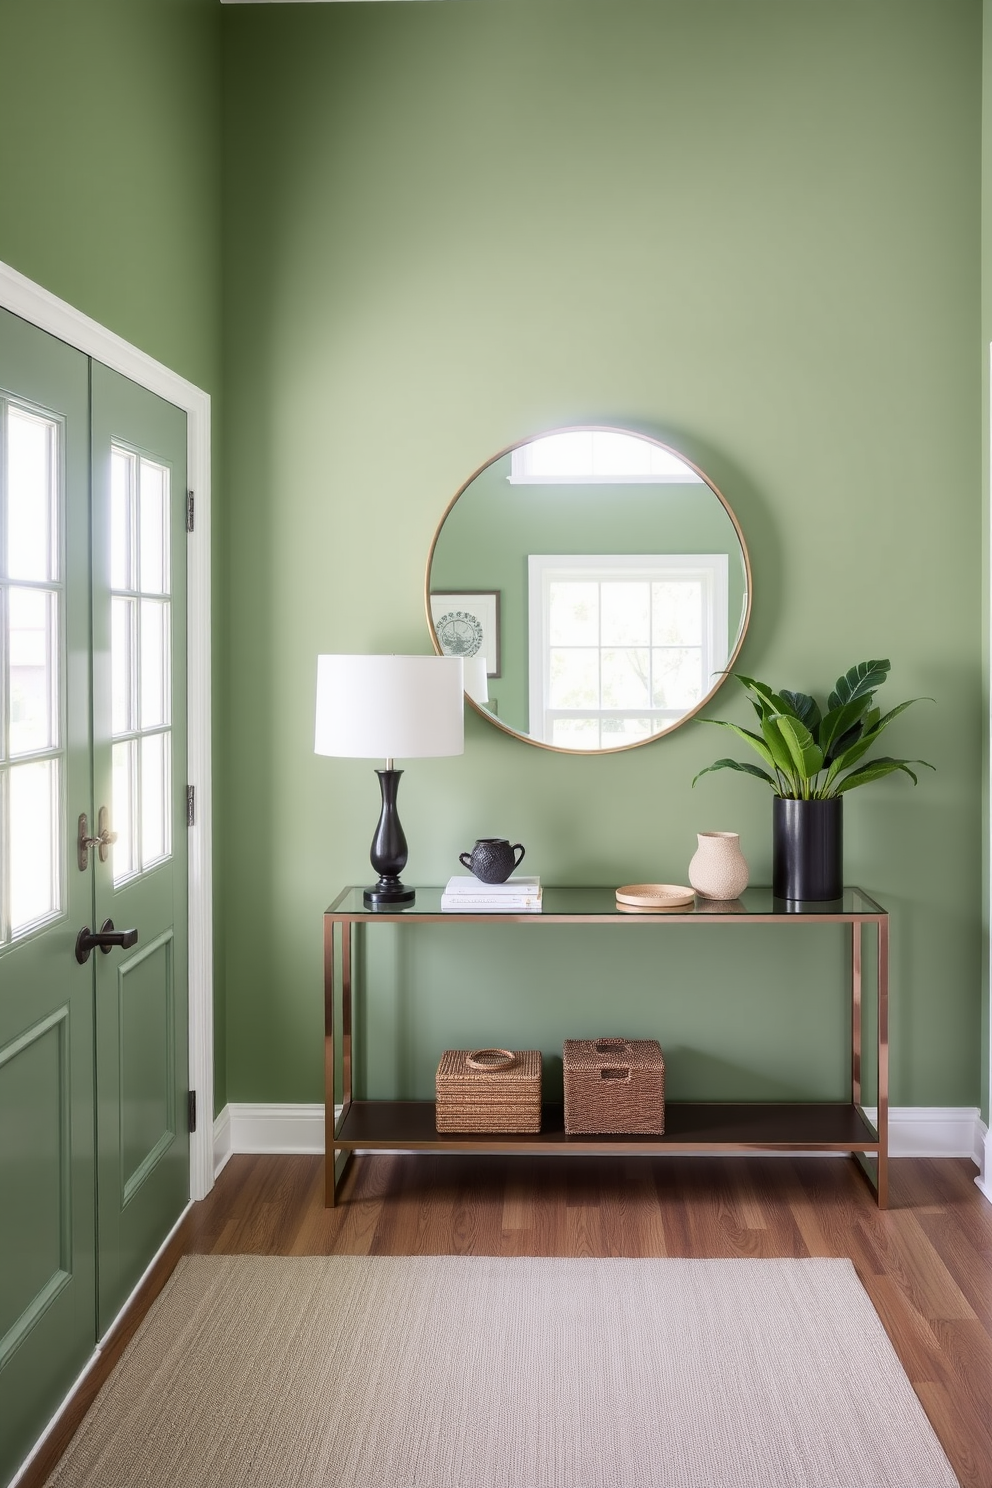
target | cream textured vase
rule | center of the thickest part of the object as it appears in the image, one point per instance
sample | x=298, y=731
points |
x=718, y=869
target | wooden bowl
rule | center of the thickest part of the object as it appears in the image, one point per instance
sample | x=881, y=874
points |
x=655, y=896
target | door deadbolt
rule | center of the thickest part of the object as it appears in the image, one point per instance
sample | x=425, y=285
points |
x=102, y=843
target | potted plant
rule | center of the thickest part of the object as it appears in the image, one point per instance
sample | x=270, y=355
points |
x=811, y=758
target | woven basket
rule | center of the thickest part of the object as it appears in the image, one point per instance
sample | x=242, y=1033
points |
x=614, y=1085
x=489, y=1090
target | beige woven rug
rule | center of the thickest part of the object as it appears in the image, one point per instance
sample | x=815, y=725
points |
x=465, y=1372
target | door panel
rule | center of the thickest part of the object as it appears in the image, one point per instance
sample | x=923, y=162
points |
x=34, y=1075
x=149, y=1094
x=94, y=1152
x=47, y=1259
x=139, y=753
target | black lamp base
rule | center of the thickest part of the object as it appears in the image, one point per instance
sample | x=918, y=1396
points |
x=388, y=848
x=388, y=891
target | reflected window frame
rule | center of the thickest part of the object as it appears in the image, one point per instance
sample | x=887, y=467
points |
x=709, y=570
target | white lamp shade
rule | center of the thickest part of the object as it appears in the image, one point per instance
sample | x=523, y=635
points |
x=390, y=707
x=476, y=678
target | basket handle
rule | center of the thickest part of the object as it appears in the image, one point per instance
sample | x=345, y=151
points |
x=503, y=1059
x=608, y=1045
x=614, y=1072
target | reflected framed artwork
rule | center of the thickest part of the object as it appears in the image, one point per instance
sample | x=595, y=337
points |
x=466, y=623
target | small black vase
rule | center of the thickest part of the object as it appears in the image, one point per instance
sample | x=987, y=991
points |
x=808, y=849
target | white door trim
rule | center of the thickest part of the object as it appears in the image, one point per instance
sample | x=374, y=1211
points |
x=32, y=303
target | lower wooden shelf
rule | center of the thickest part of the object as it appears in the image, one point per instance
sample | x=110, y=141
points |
x=690, y=1126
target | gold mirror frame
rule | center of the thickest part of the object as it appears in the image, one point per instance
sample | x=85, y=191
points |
x=703, y=477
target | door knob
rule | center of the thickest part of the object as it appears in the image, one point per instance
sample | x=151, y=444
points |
x=103, y=939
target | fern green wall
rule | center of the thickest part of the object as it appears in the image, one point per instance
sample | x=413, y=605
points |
x=109, y=187
x=752, y=230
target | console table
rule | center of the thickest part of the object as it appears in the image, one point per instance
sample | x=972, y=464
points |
x=690, y=1126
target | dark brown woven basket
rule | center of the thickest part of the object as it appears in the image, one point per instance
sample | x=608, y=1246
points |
x=614, y=1086
x=489, y=1090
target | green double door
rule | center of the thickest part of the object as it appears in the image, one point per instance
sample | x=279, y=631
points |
x=94, y=1145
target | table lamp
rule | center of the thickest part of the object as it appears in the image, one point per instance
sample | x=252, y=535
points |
x=388, y=707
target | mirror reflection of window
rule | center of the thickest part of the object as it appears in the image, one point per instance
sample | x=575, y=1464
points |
x=598, y=457
x=621, y=646
x=596, y=490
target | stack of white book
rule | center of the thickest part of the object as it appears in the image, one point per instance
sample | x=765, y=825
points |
x=466, y=894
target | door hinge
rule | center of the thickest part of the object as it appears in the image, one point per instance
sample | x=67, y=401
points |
x=191, y=805
x=190, y=503
x=191, y=1108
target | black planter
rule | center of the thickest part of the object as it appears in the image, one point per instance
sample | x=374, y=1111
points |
x=808, y=849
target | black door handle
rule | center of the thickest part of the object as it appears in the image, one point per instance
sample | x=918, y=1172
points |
x=105, y=938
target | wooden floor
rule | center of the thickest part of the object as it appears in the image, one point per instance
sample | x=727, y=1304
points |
x=926, y=1262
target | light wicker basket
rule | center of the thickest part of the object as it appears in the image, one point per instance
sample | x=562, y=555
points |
x=614, y=1086
x=489, y=1090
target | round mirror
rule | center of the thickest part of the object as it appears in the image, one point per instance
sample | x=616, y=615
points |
x=596, y=583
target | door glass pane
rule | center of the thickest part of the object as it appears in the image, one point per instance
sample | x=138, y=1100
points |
x=34, y=842
x=155, y=796
x=122, y=467
x=125, y=786
x=32, y=495
x=141, y=662
x=154, y=663
x=31, y=670
x=124, y=620
x=153, y=528
x=33, y=656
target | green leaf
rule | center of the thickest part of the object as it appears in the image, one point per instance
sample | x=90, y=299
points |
x=875, y=769
x=844, y=759
x=755, y=740
x=800, y=705
x=765, y=701
x=840, y=721
x=849, y=757
x=781, y=754
x=729, y=764
x=807, y=756
x=860, y=680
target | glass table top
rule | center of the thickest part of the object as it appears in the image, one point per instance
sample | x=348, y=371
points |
x=599, y=903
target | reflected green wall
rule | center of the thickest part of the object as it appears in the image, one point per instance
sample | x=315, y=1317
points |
x=753, y=231
x=494, y=526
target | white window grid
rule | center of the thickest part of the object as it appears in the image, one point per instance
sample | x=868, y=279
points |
x=711, y=570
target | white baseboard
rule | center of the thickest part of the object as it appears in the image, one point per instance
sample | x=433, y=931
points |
x=984, y=1160
x=222, y=1140
x=242, y=1127
x=933, y=1131
x=914, y=1131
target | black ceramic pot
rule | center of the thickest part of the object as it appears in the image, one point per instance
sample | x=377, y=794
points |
x=808, y=849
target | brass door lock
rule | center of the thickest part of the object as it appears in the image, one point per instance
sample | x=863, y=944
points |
x=102, y=843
